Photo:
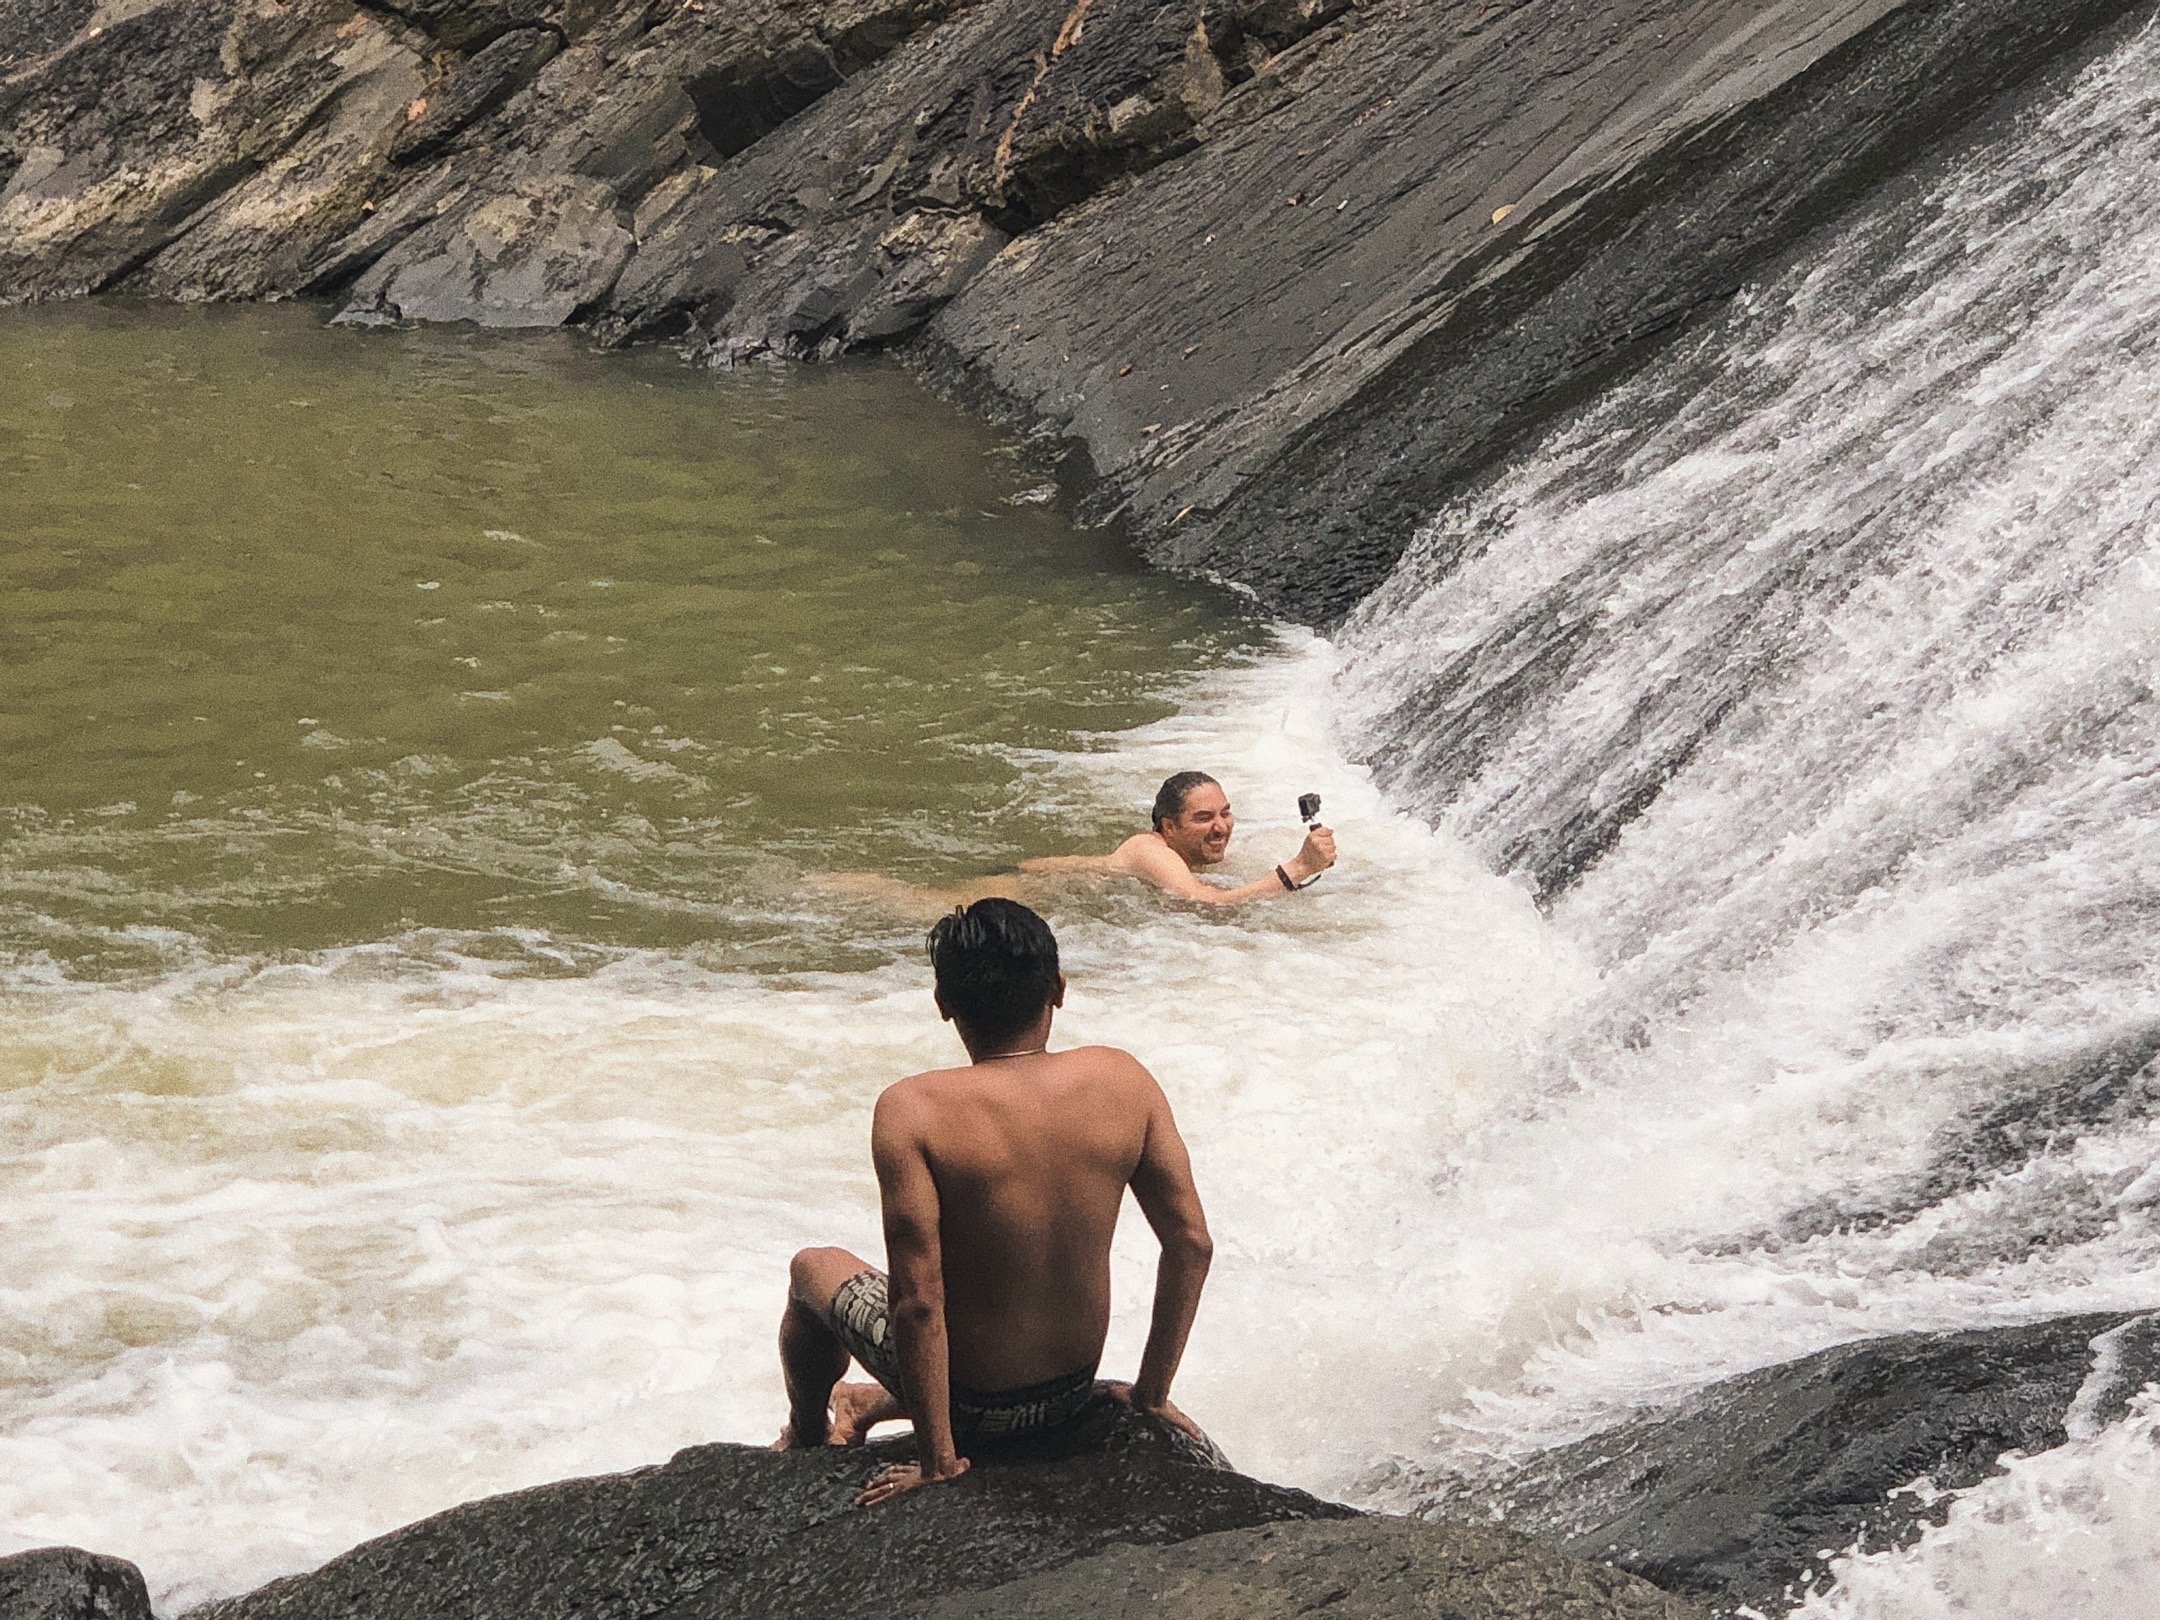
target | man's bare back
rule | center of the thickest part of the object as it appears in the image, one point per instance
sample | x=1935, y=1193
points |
x=1029, y=1158
x=1000, y=1185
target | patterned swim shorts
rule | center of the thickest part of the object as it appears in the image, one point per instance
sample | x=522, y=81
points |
x=861, y=1318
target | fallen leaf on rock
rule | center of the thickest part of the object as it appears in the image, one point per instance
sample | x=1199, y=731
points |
x=417, y=111
x=1502, y=212
x=1125, y=370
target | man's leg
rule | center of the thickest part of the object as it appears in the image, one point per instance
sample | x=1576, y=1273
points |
x=812, y=1359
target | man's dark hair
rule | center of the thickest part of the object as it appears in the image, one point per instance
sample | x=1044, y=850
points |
x=1171, y=796
x=997, y=967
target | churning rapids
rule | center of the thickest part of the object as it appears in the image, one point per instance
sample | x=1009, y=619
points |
x=1808, y=677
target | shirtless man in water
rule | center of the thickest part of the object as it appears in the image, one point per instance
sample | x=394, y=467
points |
x=1192, y=824
x=1001, y=1184
x=1192, y=828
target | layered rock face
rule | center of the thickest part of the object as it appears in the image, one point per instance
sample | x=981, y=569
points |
x=1286, y=270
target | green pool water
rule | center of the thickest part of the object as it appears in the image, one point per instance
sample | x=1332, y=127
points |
x=312, y=637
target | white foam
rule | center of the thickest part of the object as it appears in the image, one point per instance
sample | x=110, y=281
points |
x=2067, y=1535
x=299, y=1253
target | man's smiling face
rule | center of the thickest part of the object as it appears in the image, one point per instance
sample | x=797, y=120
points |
x=1200, y=833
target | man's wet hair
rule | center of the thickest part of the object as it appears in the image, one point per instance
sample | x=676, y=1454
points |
x=1171, y=796
x=997, y=967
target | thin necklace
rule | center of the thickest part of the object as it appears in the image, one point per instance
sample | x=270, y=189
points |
x=1033, y=1051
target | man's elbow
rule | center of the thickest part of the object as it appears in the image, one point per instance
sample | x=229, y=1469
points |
x=914, y=1311
x=1193, y=1246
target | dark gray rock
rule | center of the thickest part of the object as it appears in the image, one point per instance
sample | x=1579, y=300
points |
x=882, y=201
x=625, y=128
x=1364, y=1569
x=66, y=1583
x=471, y=25
x=1284, y=350
x=531, y=256
x=105, y=147
x=476, y=86
x=206, y=149
x=35, y=27
x=1733, y=1496
x=732, y=1533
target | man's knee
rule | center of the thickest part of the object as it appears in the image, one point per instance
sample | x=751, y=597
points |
x=815, y=1275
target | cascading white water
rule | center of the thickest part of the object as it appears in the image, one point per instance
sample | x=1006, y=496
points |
x=1812, y=674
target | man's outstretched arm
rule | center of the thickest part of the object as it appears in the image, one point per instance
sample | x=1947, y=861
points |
x=1162, y=1185
x=909, y=1195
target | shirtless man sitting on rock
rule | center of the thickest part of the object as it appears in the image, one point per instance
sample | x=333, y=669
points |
x=1001, y=1184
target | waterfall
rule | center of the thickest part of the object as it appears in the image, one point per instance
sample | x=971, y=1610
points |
x=1808, y=679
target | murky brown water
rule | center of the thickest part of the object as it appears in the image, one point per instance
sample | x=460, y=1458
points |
x=314, y=636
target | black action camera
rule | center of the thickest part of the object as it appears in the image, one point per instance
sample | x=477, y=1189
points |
x=1308, y=808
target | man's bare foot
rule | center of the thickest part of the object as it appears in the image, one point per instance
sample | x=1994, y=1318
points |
x=859, y=1408
x=790, y=1437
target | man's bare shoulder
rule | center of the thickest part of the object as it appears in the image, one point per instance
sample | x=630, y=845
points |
x=1146, y=855
x=1110, y=1066
x=915, y=1099
x=1109, y=1057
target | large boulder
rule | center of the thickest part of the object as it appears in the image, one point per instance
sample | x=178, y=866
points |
x=66, y=1583
x=1738, y=1494
x=727, y=1532
x=1116, y=1516
x=1364, y=1569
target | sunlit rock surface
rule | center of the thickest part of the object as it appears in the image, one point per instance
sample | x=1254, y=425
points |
x=736, y=1531
x=1362, y=1569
